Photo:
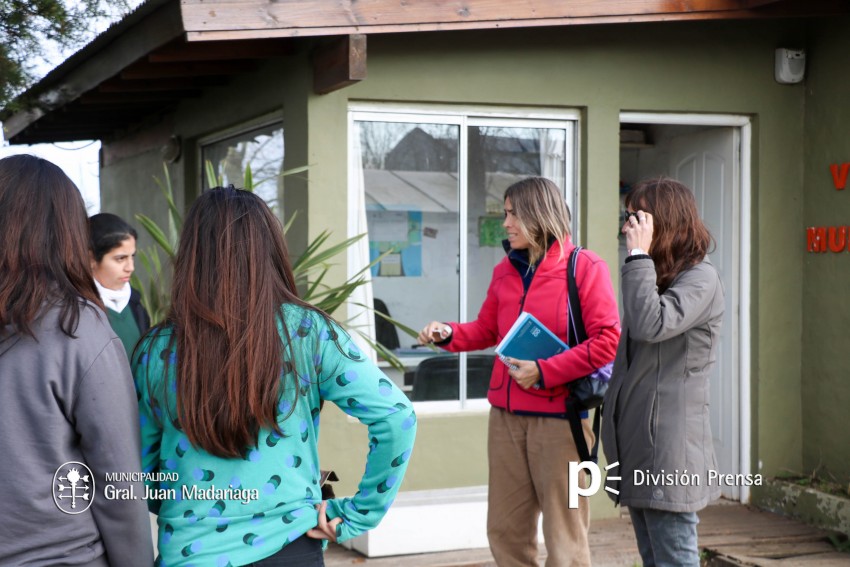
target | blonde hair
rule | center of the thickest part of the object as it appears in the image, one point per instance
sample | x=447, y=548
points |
x=542, y=212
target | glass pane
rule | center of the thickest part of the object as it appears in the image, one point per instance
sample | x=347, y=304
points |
x=498, y=157
x=410, y=179
x=261, y=149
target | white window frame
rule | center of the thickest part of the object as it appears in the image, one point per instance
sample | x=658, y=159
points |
x=230, y=132
x=464, y=117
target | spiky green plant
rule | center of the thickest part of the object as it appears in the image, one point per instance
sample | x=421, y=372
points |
x=310, y=269
x=156, y=294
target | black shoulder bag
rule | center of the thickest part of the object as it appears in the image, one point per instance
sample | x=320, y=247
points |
x=587, y=392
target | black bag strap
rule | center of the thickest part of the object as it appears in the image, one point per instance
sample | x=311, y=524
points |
x=577, y=335
x=575, y=322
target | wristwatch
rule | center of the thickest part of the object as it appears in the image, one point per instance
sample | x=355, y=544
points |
x=637, y=252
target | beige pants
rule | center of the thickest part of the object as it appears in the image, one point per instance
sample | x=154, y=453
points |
x=529, y=464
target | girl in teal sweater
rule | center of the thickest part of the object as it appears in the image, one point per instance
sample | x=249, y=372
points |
x=230, y=391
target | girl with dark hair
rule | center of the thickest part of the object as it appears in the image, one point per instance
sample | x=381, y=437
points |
x=113, y=250
x=230, y=390
x=656, y=417
x=530, y=443
x=67, y=396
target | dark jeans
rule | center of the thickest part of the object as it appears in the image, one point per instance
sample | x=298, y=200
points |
x=303, y=552
x=666, y=539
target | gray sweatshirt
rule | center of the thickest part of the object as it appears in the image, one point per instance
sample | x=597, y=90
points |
x=62, y=400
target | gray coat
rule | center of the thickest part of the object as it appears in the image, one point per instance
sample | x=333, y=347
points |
x=69, y=399
x=656, y=416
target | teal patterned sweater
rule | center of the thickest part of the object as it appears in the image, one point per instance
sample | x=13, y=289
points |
x=216, y=511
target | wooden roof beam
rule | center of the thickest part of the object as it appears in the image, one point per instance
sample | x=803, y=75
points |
x=82, y=118
x=101, y=129
x=181, y=52
x=168, y=84
x=131, y=99
x=338, y=63
x=71, y=128
x=247, y=19
x=146, y=70
x=715, y=5
x=95, y=114
x=68, y=136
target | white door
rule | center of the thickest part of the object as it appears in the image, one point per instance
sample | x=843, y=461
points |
x=709, y=162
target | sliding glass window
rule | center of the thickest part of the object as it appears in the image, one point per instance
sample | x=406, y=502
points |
x=432, y=182
x=258, y=149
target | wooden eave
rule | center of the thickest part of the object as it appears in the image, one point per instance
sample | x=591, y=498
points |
x=130, y=75
x=233, y=19
x=168, y=51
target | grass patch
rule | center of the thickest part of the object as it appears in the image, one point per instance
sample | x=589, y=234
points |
x=822, y=482
x=840, y=543
x=705, y=557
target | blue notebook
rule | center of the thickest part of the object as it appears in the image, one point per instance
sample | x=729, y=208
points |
x=529, y=339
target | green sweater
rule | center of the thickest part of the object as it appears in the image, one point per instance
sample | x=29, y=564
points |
x=125, y=326
x=218, y=511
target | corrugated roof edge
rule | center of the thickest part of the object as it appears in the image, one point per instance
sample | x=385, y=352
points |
x=99, y=42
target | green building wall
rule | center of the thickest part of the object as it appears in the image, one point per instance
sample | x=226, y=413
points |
x=707, y=67
x=825, y=374
x=724, y=68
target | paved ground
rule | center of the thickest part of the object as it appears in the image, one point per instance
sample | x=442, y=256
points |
x=732, y=535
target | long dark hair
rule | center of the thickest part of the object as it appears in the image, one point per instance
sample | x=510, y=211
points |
x=680, y=240
x=44, y=245
x=108, y=231
x=232, y=275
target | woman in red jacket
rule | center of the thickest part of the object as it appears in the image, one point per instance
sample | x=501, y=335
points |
x=530, y=443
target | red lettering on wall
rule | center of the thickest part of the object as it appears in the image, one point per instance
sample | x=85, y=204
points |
x=837, y=245
x=839, y=178
x=816, y=239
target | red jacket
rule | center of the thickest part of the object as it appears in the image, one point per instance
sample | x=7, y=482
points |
x=546, y=299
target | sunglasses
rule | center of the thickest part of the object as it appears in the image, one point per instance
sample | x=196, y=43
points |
x=627, y=214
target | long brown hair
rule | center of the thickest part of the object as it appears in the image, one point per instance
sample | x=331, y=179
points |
x=542, y=212
x=44, y=245
x=680, y=240
x=232, y=275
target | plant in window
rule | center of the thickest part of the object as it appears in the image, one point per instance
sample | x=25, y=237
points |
x=309, y=269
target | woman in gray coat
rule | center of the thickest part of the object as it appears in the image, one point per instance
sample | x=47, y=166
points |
x=68, y=413
x=656, y=424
